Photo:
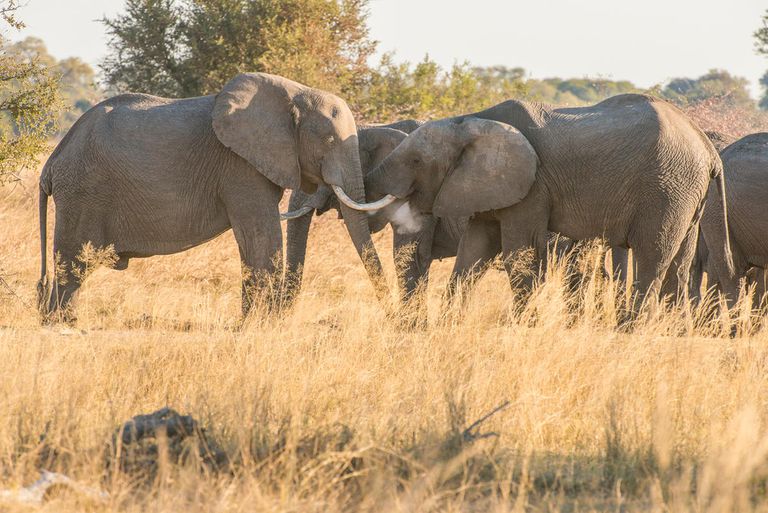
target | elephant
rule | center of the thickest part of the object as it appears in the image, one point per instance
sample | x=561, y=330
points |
x=153, y=176
x=745, y=164
x=632, y=169
x=437, y=238
x=375, y=143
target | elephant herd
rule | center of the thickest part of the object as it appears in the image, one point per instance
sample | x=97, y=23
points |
x=152, y=176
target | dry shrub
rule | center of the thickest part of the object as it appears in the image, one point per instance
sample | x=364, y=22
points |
x=718, y=114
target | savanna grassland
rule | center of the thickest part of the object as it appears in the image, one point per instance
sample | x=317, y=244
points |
x=335, y=408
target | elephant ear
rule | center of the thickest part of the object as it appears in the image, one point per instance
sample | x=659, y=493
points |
x=495, y=169
x=254, y=116
x=375, y=144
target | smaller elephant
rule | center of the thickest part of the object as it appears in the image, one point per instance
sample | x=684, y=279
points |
x=493, y=166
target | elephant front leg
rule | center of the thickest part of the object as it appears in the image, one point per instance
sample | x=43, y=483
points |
x=413, y=258
x=479, y=245
x=524, y=227
x=261, y=255
x=251, y=203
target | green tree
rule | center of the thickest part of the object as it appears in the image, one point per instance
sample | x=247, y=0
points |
x=29, y=101
x=717, y=84
x=77, y=80
x=192, y=47
x=399, y=90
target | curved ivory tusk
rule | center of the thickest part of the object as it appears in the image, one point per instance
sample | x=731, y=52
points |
x=366, y=207
x=295, y=214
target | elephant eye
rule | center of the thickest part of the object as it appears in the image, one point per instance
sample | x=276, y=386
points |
x=416, y=161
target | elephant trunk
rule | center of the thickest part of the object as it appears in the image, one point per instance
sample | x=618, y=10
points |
x=296, y=249
x=356, y=222
x=373, y=180
x=388, y=179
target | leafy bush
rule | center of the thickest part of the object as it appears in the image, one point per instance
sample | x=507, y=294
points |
x=29, y=100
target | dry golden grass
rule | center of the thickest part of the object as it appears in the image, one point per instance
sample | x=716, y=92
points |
x=333, y=408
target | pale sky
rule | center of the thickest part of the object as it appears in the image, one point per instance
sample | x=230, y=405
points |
x=645, y=41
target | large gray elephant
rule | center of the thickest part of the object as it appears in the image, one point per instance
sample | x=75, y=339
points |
x=745, y=165
x=154, y=176
x=632, y=169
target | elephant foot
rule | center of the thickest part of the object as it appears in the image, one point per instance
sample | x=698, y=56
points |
x=64, y=316
x=412, y=324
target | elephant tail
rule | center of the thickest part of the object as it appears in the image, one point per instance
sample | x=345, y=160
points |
x=42, y=285
x=720, y=177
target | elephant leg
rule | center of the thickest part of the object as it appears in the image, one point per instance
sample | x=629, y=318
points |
x=568, y=251
x=251, y=203
x=297, y=234
x=698, y=266
x=261, y=254
x=479, y=245
x=619, y=262
x=718, y=276
x=676, y=282
x=68, y=272
x=760, y=286
x=413, y=258
x=525, y=226
x=653, y=257
x=513, y=241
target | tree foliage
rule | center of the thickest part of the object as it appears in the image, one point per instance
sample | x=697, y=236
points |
x=192, y=47
x=77, y=79
x=182, y=48
x=29, y=102
x=713, y=84
x=400, y=90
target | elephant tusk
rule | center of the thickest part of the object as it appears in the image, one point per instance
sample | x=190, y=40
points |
x=295, y=214
x=366, y=207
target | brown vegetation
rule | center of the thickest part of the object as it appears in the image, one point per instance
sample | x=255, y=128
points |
x=733, y=121
x=333, y=408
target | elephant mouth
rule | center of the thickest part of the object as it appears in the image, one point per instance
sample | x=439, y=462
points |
x=401, y=214
x=406, y=219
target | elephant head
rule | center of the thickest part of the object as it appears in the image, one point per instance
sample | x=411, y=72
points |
x=298, y=137
x=375, y=143
x=455, y=168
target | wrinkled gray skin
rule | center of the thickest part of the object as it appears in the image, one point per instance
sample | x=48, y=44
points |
x=437, y=238
x=745, y=165
x=632, y=169
x=375, y=143
x=155, y=176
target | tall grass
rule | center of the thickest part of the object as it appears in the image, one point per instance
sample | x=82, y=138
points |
x=335, y=408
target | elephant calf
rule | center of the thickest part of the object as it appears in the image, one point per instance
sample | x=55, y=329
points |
x=632, y=169
x=154, y=176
